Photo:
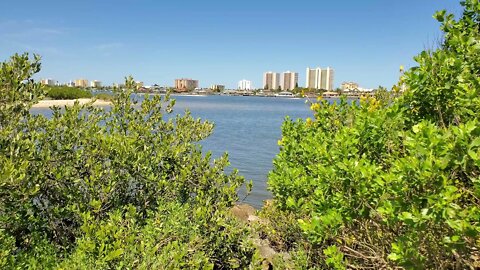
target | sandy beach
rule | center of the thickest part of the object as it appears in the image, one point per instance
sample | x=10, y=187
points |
x=63, y=102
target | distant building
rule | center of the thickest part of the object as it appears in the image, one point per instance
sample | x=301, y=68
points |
x=96, y=84
x=361, y=89
x=81, y=83
x=320, y=78
x=118, y=85
x=71, y=84
x=271, y=80
x=350, y=86
x=186, y=84
x=289, y=80
x=245, y=85
x=217, y=87
x=139, y=84
x=49, y=82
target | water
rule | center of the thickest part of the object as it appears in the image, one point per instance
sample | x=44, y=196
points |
x=248, y=128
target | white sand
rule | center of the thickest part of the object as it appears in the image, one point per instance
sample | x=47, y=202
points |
x=61, y=103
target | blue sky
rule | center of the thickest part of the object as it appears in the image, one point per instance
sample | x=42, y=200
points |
x=220, y=42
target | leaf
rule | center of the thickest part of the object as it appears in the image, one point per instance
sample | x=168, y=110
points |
x=416, y=128
x=114, y=254
x=473, y=154
x=394, y=257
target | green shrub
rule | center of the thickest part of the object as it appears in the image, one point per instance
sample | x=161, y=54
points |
x=117, y=188
x=445, y=87
x=172, y=237
x=384, y=184
x=18, y=91
x=105, y=96
x=63, y=92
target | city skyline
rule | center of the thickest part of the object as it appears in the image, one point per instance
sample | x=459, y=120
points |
x=220, y=42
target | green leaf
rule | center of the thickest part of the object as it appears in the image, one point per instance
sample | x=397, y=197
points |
x=114, y=254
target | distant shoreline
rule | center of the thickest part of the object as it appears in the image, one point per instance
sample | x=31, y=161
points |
x=69, y=102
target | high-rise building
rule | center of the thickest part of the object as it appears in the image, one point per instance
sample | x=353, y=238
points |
x=271, y=80
x=320, y=78
x=186, y=84
x=289, y=80
x=81, y=83
x=95, y=84
x=217, y=87
x=49, y=82
x=245, y=85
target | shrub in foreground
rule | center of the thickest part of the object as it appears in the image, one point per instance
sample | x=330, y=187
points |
x=391, y=183
x=117, y=188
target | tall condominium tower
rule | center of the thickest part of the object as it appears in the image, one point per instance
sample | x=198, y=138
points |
x=186, y=84
x=245, y=85
x=95, y=84
x=81, y=83
x=271, y=80
x=320, y=78
x=289, y=80
x=49, y=82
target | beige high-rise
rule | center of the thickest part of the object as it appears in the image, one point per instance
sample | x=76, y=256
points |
x=186, y=84
x=81, y=83
x=320, y=78
x=289, y=80
x=49, y=82
x=271, y=80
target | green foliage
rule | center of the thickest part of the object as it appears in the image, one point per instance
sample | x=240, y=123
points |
x=445, y=87
x=180, y=239
x=18, y=91
x=388, y=182
x=105, y=96
x=64, y=92
x=110, y=188
x=356, y=176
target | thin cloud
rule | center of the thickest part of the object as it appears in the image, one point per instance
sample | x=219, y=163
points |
x=48, y=31
x=21, y=30
x=109, y=46
x=33, y=33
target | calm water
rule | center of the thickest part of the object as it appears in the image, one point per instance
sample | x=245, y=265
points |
x=248, y=128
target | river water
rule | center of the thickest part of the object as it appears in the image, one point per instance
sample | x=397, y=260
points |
x=248, y=128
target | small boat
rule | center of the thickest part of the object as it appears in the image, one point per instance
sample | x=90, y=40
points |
x=285, y=94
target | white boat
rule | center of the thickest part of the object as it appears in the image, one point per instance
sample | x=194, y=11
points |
x=285, y=94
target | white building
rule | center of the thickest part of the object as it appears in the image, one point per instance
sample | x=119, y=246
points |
x=320, y=78
x=49, y=82
x=95, y=84
x=271, y=80
x=245, y=85
x=289, y=80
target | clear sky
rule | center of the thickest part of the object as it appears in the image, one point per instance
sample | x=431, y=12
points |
x=220, y=42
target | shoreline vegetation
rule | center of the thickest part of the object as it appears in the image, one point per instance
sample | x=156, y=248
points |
x=105, y=100
x=389, y=182
x=46, y=103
